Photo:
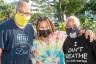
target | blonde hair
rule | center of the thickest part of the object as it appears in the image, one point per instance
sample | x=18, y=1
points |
x=38, y=24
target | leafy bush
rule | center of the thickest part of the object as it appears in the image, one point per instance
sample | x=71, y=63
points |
x=59, y=26
x=88, y=24
x=6, y=11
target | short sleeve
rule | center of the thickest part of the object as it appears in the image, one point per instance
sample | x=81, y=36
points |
x=61, y=36
x=1, y=39
x=66, y=43
x=93, y=47
x=64, y=47
x=31, y=32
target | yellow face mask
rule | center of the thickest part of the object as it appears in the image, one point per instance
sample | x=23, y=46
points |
x=21, y=20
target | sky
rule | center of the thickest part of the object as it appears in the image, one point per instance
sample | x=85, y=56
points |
x=9, y=1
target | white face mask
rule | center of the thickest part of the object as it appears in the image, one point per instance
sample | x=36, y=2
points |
x=73, y=35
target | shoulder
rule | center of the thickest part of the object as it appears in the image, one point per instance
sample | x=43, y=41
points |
x=29, y=24
x=29, y=29
x=61, y=34
x=58, y=36
x=6, y=24
x=82, y=37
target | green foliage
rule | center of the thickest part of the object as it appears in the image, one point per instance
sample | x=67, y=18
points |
x=91, y=6
x=44, y=6
x=5, y=11
x=88, y=24
x=60, y=26
x=74, y=6
x=70, y=7
x=35, y=17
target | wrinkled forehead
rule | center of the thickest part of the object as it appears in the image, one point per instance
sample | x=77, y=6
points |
x=70, y=23
x=24, y=7
x=45, y=24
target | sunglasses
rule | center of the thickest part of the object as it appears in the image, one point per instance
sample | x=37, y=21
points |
x=24, y=13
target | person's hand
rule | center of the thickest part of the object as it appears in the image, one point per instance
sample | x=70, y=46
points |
x=0, y=54
x=91, y=35
x=38, y=62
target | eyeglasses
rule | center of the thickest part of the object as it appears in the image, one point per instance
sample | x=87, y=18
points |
x=24, y=13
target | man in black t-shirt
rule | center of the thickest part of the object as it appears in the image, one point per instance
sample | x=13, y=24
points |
x=77, y=49
x=16, y=37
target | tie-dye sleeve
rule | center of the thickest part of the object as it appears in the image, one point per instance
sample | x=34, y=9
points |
x=61, y=36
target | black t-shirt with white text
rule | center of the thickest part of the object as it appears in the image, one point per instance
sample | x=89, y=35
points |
x=15, y=42
x=79, y=51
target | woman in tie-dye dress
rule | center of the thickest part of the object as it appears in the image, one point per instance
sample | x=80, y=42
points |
x=47, y=47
